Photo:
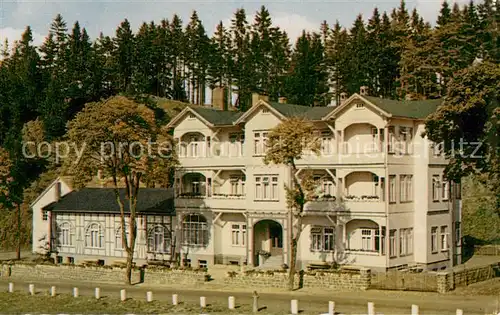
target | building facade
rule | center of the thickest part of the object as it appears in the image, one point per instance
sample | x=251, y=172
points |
x=76, y=226
x=382, y=201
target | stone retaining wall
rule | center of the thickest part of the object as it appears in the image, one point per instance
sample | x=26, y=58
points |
x=100, y=274
x=345, y=280
x=487, y=250
x=478, y=274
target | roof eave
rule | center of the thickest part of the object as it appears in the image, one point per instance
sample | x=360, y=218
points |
x=178, y=117
x=254, y=107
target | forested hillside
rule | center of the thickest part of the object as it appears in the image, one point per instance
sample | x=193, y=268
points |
x=396, y=54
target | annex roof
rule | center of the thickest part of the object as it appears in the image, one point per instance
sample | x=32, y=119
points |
x=103, y=200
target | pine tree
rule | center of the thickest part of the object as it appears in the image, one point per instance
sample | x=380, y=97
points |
x=307, y=83
x=278, y=67
x=444, y=14
x=262, y=46
x=241, y=70
x=123, y=56
x=357, y=74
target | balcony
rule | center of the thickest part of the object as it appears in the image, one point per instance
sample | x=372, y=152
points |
x=363, y=192
x=225, y=191
x=203, y=153
x=325, y=204
x=217, y=201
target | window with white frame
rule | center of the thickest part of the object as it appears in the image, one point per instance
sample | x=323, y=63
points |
x=266, y=188
x=405, y=241
x=405, y=138
x=375, y=140
x=118, y=237
x=392, y=243
x=94, y=236
x=380, y=240
x=237, y=185
x=195, y=230
x=45, y=215
x=159, y=239
x=409, y=241
x=322, y=238
x=326, y=143
x=434, y=239
x=391, y=143
x=392, y=188
x=444, y=238
x=260, y=143
x=435, y=187
x=405, y=188
x=446, y=190
x=327, y=188
x=194, y=148
x=367, y=239
x=238, y=234
x=65, y=234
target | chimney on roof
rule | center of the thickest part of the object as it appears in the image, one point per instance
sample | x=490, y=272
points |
x=363, y=90
x=219, y=98
x=343, y=97
x=282, y=100
x=57, y=191
x=256, y=97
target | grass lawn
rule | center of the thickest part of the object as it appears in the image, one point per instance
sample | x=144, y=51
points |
x=11, y=303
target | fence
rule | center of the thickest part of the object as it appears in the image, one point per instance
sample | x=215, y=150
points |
x=487, y=250
x=405, y=281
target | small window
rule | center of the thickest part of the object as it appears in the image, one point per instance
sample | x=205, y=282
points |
x=45, y=215
x=265, y=110
x=59, y=259
x=202, y=263
x=360, y=105
x=70, y=260
x=191, y=116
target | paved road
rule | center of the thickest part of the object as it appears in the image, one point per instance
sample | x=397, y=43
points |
x=310, y=303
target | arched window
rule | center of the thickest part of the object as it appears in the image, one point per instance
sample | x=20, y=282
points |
x=118, y=237
x=159, y=240
x=65, y=234
x=195, y=230
x=94, y=236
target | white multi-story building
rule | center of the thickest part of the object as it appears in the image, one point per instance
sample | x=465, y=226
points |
x=382, y=200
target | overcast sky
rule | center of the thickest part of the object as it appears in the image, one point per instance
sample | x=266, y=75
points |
x=105, y=15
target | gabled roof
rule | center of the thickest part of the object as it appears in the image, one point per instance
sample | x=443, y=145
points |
x=103, y=200
x=285, y=110
x=65, y=179
x=418, y=109
x=218, y=117
x=208, y=115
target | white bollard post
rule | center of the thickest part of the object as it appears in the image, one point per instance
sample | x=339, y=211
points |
x=97, y=293
x=230, y=302
x=371, y=308
x=460, y=312
x=75, y=292
x=175, y=299
x=123, y=295
x=331, y=308
x=203, y=301
x=11, y=287
x=53, y=291
x=294, y=307
x=414, y=309
x=149, y=296
x=32, y=289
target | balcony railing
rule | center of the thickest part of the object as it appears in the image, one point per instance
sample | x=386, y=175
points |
x=364, y=198
x=215, y=149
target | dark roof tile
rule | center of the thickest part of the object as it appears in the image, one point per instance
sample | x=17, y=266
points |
x=102, y=200
x=419, y=109
x=216, y=116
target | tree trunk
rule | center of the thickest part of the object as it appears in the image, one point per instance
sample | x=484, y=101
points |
x=18, y=250
x=293, y=263
x=130, y=259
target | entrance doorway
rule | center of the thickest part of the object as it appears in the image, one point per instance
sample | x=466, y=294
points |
x=268, y=237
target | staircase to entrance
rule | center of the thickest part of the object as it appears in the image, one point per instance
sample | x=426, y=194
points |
x=272, y=263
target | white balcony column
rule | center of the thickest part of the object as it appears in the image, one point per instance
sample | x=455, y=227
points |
x=205, y=147
x=379, y=192
x=380, y=238
x=207, y=187
x=386, y=140
x=378, y=148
